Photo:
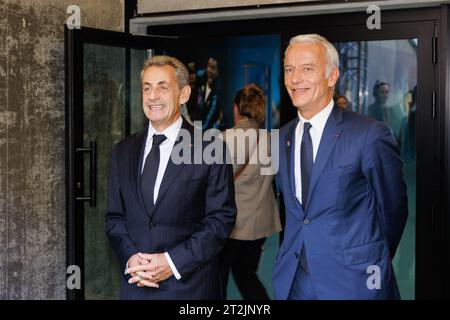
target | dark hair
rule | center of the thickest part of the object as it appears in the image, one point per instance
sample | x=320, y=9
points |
x=191, y=67
x=161, y=61
x=251, y=102
x=376, y=87
x=414, y=94
x=337, y=97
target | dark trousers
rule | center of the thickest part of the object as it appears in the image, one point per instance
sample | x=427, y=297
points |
x=242, y=258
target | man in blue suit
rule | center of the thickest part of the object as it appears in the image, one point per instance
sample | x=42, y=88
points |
x=342, y=184
x=167, y=222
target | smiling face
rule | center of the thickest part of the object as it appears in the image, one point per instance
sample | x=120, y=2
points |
x=305, y=78
x=161, y=96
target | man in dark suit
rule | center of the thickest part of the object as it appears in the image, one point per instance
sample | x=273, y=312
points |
x=341, y=179
x=167, y=222
x=209, y=109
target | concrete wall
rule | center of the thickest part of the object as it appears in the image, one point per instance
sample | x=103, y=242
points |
x=32, y=168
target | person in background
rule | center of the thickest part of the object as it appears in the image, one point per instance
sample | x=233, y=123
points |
x=209, y=109
x=257, y=213
x=342, y=101
x=377, y=109
x=409, y=135
x=392, y=115
x=191, y=105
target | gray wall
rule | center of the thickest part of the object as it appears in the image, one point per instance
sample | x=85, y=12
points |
x=32, y=168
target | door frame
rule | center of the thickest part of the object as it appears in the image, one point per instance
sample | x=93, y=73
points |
x=433, y=138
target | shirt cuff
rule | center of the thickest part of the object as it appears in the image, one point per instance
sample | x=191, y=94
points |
x=126, y=268
x=172, y=266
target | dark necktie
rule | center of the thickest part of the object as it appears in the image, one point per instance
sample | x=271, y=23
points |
x=150, y=172
x=306, y=165
x=306, y=162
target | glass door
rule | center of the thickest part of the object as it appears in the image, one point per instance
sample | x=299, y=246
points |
x=103, y=107
x=379, y=79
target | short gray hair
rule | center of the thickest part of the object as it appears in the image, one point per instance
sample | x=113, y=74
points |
x=330, y=51
x=161, y=61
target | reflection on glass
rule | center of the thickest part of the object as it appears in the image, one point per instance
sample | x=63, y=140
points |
x=388, y=94
x=138, y=121
x=223, y=66
x=104, y=122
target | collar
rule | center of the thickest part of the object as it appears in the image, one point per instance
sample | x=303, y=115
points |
x=171, y=132
x=320, y=119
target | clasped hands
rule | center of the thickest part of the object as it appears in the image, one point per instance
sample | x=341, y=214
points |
x=147, y=270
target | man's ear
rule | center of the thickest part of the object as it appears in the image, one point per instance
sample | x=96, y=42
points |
x=332, y=79
x=185, y=94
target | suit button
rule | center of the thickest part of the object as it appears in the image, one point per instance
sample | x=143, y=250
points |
x=306, y=221
x=296, y=255
x=152, y=225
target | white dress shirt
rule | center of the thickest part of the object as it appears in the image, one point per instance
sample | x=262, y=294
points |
x=317, y=125
x=165, y=149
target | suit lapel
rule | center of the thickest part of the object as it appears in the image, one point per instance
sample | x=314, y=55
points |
x=172, y=169
x=290, y=150
x=330, y=135
x=137, y=155
x=290, y=158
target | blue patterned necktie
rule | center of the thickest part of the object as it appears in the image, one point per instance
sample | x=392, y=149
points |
x=306, y=162
x=306, y=165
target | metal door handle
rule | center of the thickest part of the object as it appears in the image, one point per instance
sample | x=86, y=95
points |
x=92, y=150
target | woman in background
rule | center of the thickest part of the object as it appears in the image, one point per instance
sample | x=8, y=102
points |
x=257, y=214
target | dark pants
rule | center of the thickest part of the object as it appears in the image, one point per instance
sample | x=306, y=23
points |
x=242, y=258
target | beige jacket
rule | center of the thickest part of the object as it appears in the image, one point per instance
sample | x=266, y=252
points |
x=257, y=213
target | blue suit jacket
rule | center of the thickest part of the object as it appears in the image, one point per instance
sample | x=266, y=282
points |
x=357, y=210
x=193, y=216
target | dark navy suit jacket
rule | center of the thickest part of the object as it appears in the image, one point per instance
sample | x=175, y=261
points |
x=193, y=216
x=355, y=215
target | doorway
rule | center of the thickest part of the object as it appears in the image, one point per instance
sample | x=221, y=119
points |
x=103, y=106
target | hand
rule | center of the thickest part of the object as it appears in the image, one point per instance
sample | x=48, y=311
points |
x=157, y=270
x=160, y=266
x=137, y=260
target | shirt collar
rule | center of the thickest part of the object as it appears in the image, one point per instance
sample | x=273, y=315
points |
x=319, y=120
x=171, y=132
